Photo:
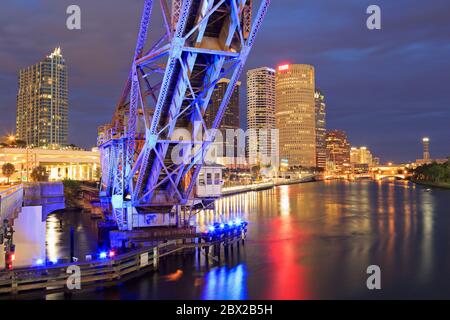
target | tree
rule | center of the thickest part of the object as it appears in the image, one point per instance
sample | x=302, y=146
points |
x=20, y=143
x=256, y=169
x=433, y=172
x=8, y=170
x=39, y=174
x=97, y=174
x=72, y=190
x=74, y=147
x=256, y=172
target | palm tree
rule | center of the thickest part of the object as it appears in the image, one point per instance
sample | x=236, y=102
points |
x=8, y=170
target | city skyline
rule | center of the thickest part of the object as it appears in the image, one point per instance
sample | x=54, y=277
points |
x=338, y=189
x=372, y=67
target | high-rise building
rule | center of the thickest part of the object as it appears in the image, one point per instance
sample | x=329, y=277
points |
x=42, y=103
x=338, y=152
x=426, y=154
x=295, y=114
x=230, y=121
x=376, y=161
x=321, y=130
x=361, y=160
x=361, y=155
x=260, y=114
x=426, y=148
x=231, y=117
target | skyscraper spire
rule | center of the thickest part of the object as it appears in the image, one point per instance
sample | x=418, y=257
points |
x=56, y=53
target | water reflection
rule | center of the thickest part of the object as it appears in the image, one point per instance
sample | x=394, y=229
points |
x=285, y=206
x=427, y=236
x=316, y=240
x=57, y=236
x=49, y=240
x=305, y=241
x=224, y=283
x=52, y=243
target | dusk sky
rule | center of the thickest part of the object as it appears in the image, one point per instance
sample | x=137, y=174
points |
x=386, y=88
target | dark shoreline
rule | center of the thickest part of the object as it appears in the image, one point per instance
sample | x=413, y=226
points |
x=431, y=184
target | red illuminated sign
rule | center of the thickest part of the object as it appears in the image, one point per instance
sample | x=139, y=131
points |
x=283, y=67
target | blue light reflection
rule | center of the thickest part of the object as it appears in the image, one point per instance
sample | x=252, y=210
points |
x=226, y=284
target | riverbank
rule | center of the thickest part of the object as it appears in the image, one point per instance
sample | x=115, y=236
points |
x=264, y=186
x=432, y=184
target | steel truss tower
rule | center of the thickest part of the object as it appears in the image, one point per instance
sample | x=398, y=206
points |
x=168, y=89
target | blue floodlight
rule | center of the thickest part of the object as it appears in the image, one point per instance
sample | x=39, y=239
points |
x=39, y=262
x=103, y=255
x=222, y=226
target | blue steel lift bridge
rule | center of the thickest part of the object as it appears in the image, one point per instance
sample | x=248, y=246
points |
x=169, y=87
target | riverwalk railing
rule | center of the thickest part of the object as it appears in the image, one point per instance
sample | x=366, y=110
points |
x=246, y=188
x=11, y=200
x=265, y=185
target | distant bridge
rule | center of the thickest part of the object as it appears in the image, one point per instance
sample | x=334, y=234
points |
x=385, y=176
x=377, y=173
x=390, y=171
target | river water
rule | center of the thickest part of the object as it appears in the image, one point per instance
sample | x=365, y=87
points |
x=305, y=241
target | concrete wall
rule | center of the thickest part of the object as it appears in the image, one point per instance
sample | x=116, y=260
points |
x=49, y=195
x=29, y=236
x=11, y=200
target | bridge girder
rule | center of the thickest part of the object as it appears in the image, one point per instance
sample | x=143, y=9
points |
x=169, y=88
